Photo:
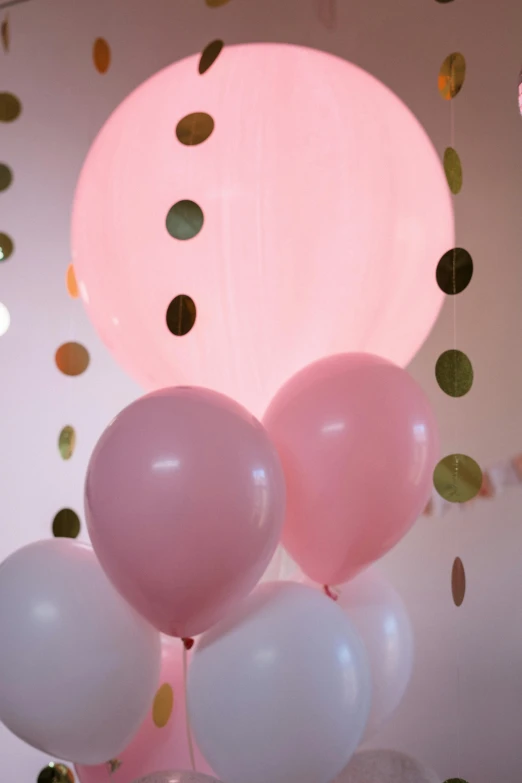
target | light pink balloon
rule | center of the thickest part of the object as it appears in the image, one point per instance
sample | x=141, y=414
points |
x=326, y=211
x=78, y=666
x=154, y=747
x=358, y=442
x=380, y=617
x=184, y=501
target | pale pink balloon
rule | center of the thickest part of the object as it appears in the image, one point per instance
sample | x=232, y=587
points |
x=358, y=441
x=184, y=501
x=326, y=211
x=157, y=745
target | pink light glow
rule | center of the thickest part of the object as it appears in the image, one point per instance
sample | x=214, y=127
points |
x=326, y=211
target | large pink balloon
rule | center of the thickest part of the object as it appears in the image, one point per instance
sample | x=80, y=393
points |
x=161, y=742
x=325, y=206
x=185, y=501
x=358, y=442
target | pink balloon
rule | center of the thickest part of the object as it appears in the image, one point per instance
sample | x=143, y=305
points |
x=358, y=442
x=325, y=207
x=184, y=502
x=159, y=744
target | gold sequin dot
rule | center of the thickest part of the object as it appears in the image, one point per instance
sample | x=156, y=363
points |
x=56, y=773
x=6, y=176
x=6, y=246
x=71, y=283
x=454, y=271
x=163, y=705
x=457, y=478
x=209, y=55
x=194, y=128
x=451, y=76
x=458, y=582
x=181, y=315
x=184, y=220
x=10, y=107
x=101, y=55
x=216, y=3
x=66, y=524
x=67, y=442
x=454, y=373
x=72, y=358
x=453, y=170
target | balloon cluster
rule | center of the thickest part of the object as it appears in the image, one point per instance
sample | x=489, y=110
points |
x=188, y=496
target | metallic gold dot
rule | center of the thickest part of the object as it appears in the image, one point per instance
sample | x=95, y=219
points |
x=163, y=706
x=70, y=283
x=72, y=358
x=209, y=55
x=181, y=315
x=6, y=246
x=184, y=220
x=458, y=582
x=56, y=773
x=454, y=271
x=5, y=34
x=453, y=170
x=67, y=442
x=194, y=128
x=6, y=176
x=454, y=373
x=66, y=524
x=216, y=3
x=10, y=107
x=457, y=478
x=451, y=75
x=101, y=55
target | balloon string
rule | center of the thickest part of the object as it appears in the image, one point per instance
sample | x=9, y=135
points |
x=187, y=644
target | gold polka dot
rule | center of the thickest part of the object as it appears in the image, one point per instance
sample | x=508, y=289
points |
x=70, y=283
x=458, y=582
x=457, y=478
x=181, y=315
x=209, y=55
x=451, y=75
x=56, y=773
x=453, y=170
x=194, y=128
x=184, y=220
x=5, y=34
x=163, y=706
x=67, y=442
x=101, y=55
x=10, y=107
x=454, y=373
x=454, y=271
x=6, y=247
x=72, y=358
x=66, y=524
x=216, y=3
x=6, y=176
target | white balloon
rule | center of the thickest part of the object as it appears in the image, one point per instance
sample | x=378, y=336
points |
x=78, y=666
x=386, y=766
x=381, y=619
x=280, y=690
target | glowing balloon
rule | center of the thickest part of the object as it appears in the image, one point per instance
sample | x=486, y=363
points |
x=300, y=212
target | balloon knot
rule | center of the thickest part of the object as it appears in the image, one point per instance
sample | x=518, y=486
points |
x=188, y=643
x=330, y=594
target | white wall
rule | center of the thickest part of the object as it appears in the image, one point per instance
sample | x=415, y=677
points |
x=462, y=713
